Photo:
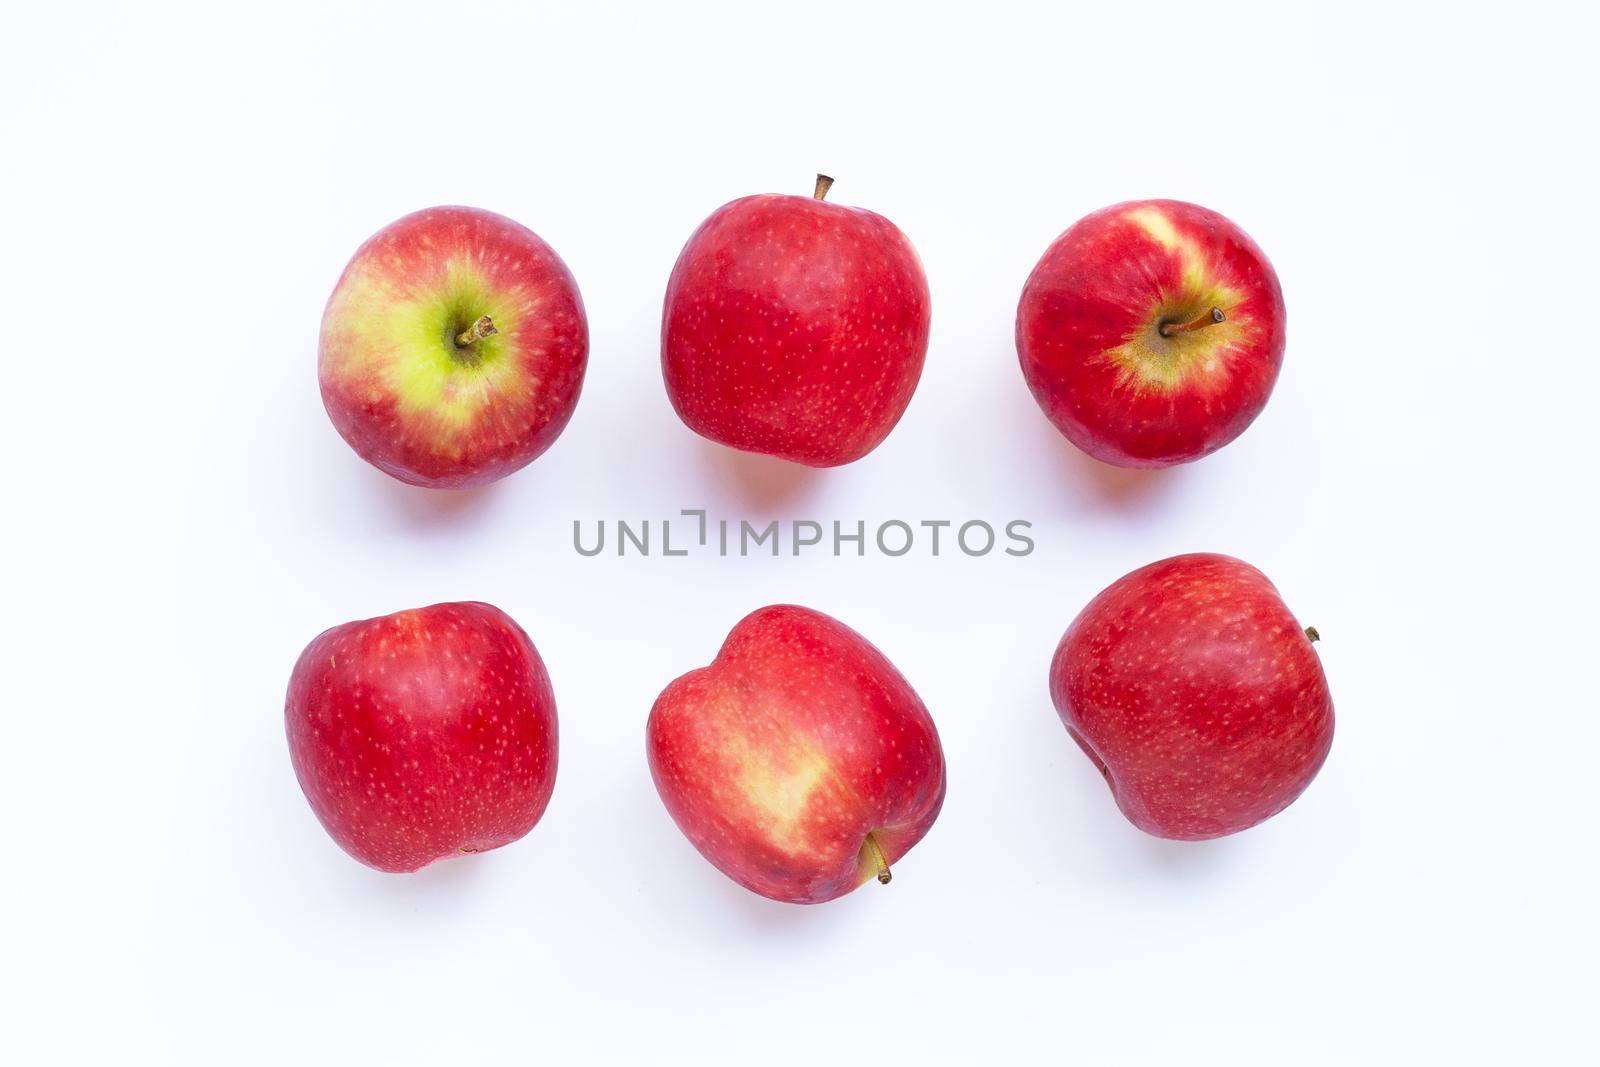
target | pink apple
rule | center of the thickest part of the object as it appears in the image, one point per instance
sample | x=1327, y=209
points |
x=453, y=348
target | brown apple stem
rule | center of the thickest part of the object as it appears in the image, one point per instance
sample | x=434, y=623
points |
x=1312, y=635
x=824, y=183
x=484, y=327
x=1199, y=322
x=878, y=858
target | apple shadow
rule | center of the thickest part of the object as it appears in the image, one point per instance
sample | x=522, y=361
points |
x=764, y=482
x=443, y=879
x=1194, y=862
x=433, y=508
x=1117, y=488
x=1185, y=859
x=448, y=884
x=777, y=918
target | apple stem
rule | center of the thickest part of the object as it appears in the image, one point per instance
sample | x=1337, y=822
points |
x=484, y=327
x=1312, y=635
x=824, y=183
x=878, y=858
x=1200, y=321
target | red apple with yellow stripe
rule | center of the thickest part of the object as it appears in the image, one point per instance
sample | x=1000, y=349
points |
x=800, y=762
x=1151, y=333
x=453, y=348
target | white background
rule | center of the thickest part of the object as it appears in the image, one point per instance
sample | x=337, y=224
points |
x=186, y=183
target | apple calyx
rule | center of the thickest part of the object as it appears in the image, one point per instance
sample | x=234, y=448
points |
x=824, y=183
x=876, y=851
x=1312, y=635
x=484, y=327
x=1200, y=321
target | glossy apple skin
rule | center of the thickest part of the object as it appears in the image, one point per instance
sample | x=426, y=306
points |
x=796, y=328
x=1197, y=694
x=423, y=734
x=779, y=758
x=405, y=395
x=1088, y=333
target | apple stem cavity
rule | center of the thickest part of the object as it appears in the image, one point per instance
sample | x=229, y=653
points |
x=1312, y=635
x=824, y=183
x=1199, y=322
x=877, y=855
x=484, y=327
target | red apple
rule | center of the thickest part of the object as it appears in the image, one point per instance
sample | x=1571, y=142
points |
x=800, y=763
x=423, y=734
x=1151, y=333
x=1197, y=694
x=453, y=348
x=795, y=327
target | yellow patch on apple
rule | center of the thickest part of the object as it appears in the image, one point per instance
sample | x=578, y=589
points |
x=780, y=790
x=406, y=341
